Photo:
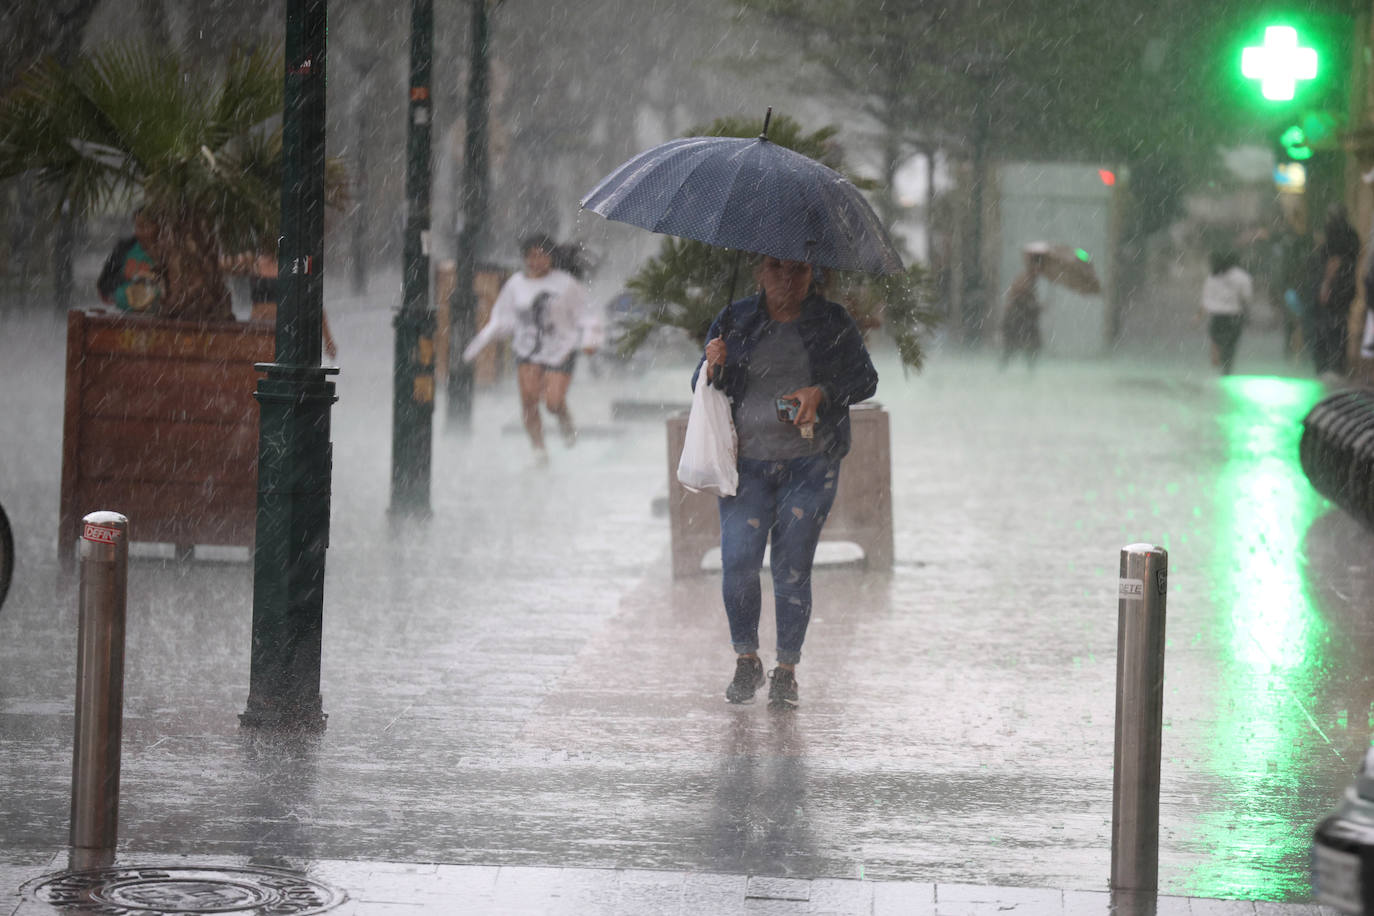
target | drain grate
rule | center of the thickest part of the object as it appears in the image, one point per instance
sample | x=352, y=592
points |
x=175, y=889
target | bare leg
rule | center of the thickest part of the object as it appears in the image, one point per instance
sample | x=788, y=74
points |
x=556, y=399
x=530, y=378
x=330, y=348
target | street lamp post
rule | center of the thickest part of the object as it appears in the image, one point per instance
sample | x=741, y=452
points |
x=975, y=308
x=412, y=418
x=463, y=305
x=981, y=67
x=294, y=452
x=365, y=64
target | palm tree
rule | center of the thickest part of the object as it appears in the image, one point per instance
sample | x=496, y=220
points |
x=205, y=157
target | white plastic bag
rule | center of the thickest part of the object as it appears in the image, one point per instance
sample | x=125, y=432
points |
x=708, y=454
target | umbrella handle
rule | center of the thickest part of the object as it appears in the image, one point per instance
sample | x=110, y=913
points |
x=718, y=380
x=734, y=275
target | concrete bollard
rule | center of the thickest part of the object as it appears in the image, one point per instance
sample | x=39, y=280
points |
x=1139, y=717
x=99, y=681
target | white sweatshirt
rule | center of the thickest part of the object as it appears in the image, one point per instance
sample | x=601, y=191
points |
x=1227, y=293
x=546, y=319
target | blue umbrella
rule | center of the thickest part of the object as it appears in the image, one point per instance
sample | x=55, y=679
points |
x=748, y=195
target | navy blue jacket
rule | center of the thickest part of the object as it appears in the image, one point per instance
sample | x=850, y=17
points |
x=840, y=365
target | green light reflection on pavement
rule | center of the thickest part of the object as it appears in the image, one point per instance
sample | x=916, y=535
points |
x=1270, y=637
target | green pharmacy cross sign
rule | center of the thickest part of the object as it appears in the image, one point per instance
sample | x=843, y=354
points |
x=1279, y=63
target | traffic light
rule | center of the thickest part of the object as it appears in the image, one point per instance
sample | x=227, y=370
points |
x=1279, y=63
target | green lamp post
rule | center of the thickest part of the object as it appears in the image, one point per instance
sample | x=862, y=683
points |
x=294, y=452
x=463, y=309
x=412, y=416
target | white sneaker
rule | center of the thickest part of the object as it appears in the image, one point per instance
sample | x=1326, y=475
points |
x=541, y=457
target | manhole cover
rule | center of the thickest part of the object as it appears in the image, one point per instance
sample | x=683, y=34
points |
x=184, y=890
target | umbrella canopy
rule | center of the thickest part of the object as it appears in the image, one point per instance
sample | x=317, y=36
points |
x=1070, y=267
x=748, y=195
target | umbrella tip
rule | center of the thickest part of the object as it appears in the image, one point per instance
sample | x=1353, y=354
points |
x=767, y=116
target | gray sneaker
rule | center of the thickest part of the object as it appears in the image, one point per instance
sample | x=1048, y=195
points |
x=748, y=679
x=782, y=693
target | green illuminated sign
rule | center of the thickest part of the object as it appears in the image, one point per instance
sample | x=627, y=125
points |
x=1279, y=63
x=1294, y=143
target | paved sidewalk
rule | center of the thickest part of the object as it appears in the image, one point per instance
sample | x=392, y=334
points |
x=390, y=889
x=521, y=692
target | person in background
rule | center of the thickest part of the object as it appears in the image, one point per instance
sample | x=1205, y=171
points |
x=1226, y=296
x=1021, y=314
x=1367, y=338
x=1289, y=256
x=1332, y=289
x=548, y=316
x=131, y=279
x=261, y=269
x=791, y=363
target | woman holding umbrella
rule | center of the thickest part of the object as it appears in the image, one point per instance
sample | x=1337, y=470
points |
x=791, y=363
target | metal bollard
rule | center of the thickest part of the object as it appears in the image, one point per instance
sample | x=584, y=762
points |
x=99, y=681
x=1139, y=717
x=1343, y=848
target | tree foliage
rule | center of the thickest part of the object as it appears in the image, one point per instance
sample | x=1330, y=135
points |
x=687, y=283
x=35, y=29
x=203, y=153
x=1149, y=86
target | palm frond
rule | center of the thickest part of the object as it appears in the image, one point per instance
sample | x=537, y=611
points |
x=129, y=117
x=687, y=285
x=249, y=95
x=46, y=123
x=148, y=104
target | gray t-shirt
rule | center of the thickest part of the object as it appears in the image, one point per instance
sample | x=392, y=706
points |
x=778, y=366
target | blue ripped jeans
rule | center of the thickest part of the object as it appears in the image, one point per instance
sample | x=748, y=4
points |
x=790, y=501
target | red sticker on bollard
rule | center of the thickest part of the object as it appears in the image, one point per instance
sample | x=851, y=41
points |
x=101, y=534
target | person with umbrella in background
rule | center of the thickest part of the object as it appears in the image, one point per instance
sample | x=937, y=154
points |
x=1021, y=312
x=1069, y=267
x=790, y=361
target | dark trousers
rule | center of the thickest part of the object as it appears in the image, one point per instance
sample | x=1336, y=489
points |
x=1329, y=345
x=1225, y=333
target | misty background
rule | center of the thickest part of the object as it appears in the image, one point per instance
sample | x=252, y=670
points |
x=927, y=98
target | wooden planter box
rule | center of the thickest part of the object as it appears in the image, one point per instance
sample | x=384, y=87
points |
x=161, y=425
x=493, y=361
x=862, y=513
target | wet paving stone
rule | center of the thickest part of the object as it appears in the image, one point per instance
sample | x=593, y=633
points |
x=523, y=685
x=183, y=889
